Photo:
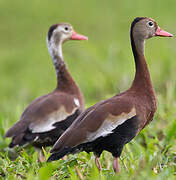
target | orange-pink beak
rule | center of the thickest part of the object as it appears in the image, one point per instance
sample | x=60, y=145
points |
x=76, y=36
x=160, y=32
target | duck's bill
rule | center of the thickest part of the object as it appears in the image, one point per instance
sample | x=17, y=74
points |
x=76, y=36
x=160, y=32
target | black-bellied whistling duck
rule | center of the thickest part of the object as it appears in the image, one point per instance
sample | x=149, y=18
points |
x=48, y=116
x=110, y=124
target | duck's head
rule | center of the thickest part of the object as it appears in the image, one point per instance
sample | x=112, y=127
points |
x=63, y=32
x=145, y=28
x=58, y=34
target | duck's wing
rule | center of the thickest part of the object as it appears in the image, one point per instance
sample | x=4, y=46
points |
x=43, y=115
x=97, y=121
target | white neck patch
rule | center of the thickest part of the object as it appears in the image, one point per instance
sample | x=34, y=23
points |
x=76, y=102
x=55, y=53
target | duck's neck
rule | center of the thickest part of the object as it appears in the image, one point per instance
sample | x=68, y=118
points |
x=142, y=82
x=64, y=80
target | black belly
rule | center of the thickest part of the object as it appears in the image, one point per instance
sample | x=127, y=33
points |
x=115, y=141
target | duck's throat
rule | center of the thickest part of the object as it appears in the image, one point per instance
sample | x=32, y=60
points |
x=57, y=57
x=142, y=78
x=139, y=45
x=64, y=80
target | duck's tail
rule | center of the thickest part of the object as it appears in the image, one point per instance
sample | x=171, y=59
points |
x=61, y=154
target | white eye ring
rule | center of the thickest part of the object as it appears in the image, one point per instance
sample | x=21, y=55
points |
x=150, y=24
x=66, y=28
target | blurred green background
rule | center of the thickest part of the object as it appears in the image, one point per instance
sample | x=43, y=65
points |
x=101, y=66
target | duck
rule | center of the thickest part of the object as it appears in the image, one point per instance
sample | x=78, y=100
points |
x=112, y=123
x=48, y=116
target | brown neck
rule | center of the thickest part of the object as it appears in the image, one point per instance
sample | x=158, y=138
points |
x=142, y=82
x=65, y=81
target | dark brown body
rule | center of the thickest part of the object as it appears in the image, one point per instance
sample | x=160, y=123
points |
x=94, y=117
x=47, y=117
x=110, y=124
x=45, y=107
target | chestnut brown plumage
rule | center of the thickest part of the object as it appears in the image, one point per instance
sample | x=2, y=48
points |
x=110, y=124
x=47, y=117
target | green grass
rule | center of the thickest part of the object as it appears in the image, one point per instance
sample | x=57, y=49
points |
x=102, y=67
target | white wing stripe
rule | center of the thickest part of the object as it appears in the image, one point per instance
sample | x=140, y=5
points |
x=47, y=124
x=110, y=124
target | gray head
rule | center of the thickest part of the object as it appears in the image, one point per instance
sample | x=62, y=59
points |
x=145, y=28
x=63, y=32
x=58, y=34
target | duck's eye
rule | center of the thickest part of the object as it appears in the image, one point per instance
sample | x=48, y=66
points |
x=150, y=23
x=66, y=28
